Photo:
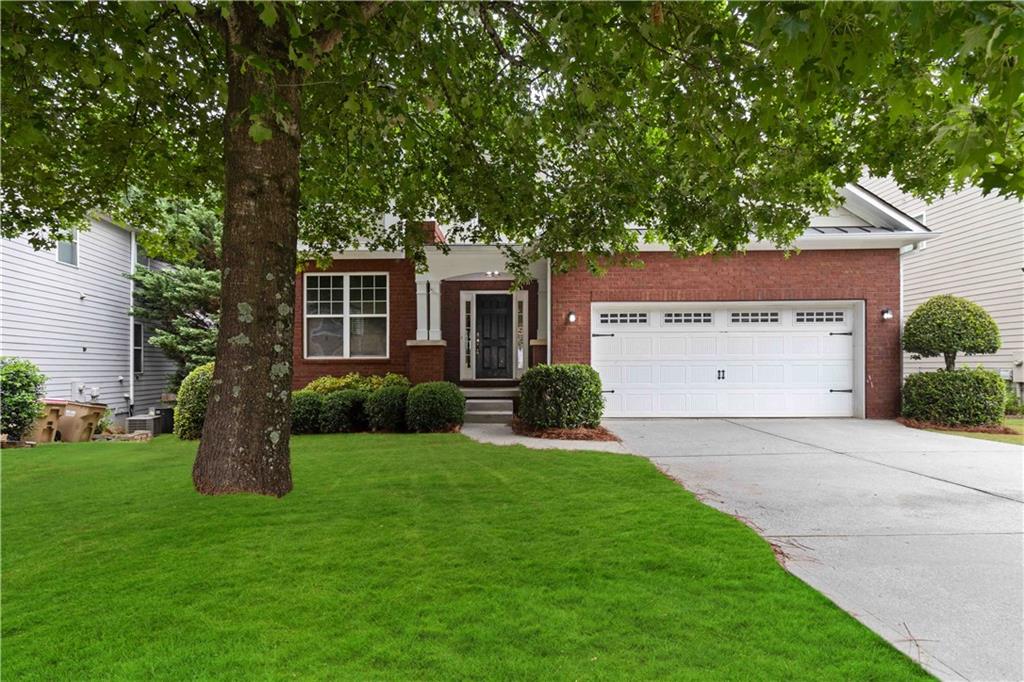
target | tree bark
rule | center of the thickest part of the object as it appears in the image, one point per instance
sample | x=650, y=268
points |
x=244, y=447
x=950, y=360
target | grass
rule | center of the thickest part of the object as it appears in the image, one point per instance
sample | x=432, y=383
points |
x=1015, y=423
x=399, y=557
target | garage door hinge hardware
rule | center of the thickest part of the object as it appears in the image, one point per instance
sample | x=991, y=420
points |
x=840, y=390
x=593, y=335
x=840, y=333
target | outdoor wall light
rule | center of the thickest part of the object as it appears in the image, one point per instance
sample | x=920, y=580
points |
x=493, y=273
x=886, y=313
x=571, y=317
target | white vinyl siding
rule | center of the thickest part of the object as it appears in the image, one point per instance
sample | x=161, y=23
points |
x=978, y=254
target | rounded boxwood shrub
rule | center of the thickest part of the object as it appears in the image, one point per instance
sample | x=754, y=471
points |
x=943, y=326
x=962, y=397
x=385, y=408
x=343, y=412
x=561, y=396
x=193, y=395
x=21, y=384
x=435, y=406
x=306, y=409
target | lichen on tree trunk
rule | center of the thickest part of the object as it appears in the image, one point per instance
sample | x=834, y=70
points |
x=244, y=446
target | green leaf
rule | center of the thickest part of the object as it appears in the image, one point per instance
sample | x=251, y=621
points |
x=260, y=132
x=269, y=14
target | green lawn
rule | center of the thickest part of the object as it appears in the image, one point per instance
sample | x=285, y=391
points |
x=399, y=557
x=1016, y=423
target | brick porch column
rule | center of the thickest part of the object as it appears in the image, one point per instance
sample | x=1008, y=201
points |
x=426, y=360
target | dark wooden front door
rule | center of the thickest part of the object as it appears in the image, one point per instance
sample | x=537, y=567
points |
x=494, y=332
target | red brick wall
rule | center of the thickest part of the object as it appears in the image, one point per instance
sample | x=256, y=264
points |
x=451, y=318
x=401, y=322
x=426, y=363
x=869, y=275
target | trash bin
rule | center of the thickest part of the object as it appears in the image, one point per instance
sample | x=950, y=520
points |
x=78, y=422
x=45, y=427
x=166, y=419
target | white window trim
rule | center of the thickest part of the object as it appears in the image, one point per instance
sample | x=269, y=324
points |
x=141, y=367
x=78, y=251
x=346, y=317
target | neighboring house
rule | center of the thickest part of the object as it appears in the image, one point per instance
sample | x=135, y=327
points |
x=763, y=333
x=978, y=254
x=68, y=310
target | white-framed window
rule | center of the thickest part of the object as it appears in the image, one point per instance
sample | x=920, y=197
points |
x=346, y=315
x=623, y=318
x=67, y=251
x=688, y=318
x=138, y=356
x=820, y=316
x=141, y=259
x=754, y=317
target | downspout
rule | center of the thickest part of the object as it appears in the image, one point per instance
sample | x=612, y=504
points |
x=551, y=330
x=131, y=328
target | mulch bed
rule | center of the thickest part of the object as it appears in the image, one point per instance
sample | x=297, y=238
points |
x=984, y=428
x=584, y=433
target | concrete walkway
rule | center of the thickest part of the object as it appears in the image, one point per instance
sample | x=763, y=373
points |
x=919, y=535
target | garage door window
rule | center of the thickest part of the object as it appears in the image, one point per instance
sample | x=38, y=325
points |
x=623, y=318
x=820, y=316
x=688, y=318
x=754, y=317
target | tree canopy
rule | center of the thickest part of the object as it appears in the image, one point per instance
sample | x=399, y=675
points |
x=558, y=126
x=704, y=123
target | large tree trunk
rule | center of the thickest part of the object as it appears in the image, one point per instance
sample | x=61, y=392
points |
x=244, y=447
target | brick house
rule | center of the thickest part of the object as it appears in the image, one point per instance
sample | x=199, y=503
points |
x=761, y=333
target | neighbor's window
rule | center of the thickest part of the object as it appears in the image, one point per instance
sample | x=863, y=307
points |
x=346, y=316
x=67, y=252
x=138, y=335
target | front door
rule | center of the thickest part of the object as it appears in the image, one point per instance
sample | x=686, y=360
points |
x=494, y=336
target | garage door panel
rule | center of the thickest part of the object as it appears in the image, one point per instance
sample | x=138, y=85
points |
x=638, y=346
x=702, y=345
x=739, y=345
x=770, y=346
x=773, y=368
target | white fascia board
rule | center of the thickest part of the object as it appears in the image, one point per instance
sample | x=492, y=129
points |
x=868, y=206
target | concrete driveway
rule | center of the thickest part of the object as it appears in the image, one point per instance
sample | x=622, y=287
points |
x=919, y=535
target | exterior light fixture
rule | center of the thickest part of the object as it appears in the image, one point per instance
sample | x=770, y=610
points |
x=887, y=313
x=571, y=317
x=493, y=273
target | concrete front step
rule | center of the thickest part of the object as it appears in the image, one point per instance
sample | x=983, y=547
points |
x=494, y=393
x=496, y=405
x=501, y=417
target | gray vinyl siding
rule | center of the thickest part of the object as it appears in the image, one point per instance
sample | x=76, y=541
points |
x=978, y=254
x=74, y=322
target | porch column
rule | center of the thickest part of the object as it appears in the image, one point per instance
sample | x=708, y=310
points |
x=434, y=308
x=422, y=332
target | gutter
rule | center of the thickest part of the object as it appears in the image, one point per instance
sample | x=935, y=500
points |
x=131, y=328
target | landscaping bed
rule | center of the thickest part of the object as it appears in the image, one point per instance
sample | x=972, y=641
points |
x=598, y=433
x=399, y=557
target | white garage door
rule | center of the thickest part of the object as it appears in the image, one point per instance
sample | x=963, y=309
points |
x=725, y=360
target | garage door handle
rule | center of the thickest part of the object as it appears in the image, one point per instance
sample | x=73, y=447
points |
x=840, y=333
x=840, y=390
x=610, y=390
x=593, y=335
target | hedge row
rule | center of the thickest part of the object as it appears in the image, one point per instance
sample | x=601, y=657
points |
x=434, y=406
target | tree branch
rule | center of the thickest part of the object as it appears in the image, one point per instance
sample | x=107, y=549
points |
x=485, y=20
